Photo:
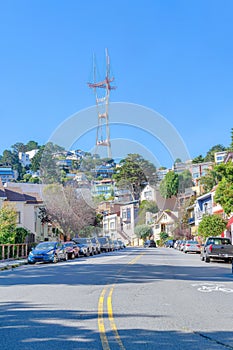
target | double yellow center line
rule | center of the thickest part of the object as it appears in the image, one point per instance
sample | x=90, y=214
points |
x=102, y=331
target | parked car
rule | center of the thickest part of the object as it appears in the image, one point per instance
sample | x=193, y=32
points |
x=122, y=244
x=72, y=249
x=104, y=244
x=85, y=248
x=181, y=245
x=116, y=245
x=192, y=247
x=219, y=248
x=96, y=245
x=170, y=243
x=48, y=252
x=111, y=245
x=150, y=243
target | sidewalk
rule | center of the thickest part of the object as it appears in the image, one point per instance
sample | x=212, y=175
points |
x=11, y=264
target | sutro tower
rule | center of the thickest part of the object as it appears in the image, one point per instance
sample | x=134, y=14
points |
x=102, y=104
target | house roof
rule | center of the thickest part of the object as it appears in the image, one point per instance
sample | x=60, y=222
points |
x=22, y=194
x=168, y=213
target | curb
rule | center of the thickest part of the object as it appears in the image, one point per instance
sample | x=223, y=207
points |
x=11, y=265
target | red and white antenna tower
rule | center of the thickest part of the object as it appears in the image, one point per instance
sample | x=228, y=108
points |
x=102, y=104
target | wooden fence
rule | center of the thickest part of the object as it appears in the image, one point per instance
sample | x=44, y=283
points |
x=13, y=251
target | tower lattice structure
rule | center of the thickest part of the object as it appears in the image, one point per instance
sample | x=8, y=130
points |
x=102, y=94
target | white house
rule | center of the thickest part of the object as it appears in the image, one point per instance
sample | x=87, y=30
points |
x=26, y=157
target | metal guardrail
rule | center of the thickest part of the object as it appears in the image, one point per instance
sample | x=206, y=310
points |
x=13, y=251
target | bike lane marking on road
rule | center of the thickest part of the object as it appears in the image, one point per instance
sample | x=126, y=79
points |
x=102, y=330
x=212, y=287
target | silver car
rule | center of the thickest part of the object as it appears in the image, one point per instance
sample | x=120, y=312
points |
x=192, y=247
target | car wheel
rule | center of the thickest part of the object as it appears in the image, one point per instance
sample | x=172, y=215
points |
x=207, y=259
x=55, y=259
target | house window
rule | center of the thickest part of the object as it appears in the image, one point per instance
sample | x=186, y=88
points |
x=124, y=214
x=112, y=225
x=18, y=218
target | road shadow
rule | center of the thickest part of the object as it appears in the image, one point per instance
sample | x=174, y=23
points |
x=26, y=326
x=92, y=271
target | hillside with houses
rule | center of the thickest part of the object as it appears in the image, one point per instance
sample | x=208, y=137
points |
x=61, y=194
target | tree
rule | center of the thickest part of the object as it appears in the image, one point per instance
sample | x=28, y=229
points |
x=185, y=180
x=163, y=237
x=11, y=159
x=224, y=179
x=8, y=218
x=210, y=154
x=50, y=172
x=146, y=206
x=19, y=147
x=231, y=144
x=135, y=172
x=198, y=159
x=143, y=231
x=224, y=195
x=178, y=160
x=31, y=145
x=69, y=208
x=169, y=185
x=20, y=235
x=215, y=175
x=36, y=160
x=211, y=225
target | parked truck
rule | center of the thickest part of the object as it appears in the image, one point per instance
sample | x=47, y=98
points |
x=219, y=248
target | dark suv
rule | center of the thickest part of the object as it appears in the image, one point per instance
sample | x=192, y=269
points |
x=150, y=244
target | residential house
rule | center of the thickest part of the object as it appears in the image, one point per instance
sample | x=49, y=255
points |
x=161, y=173
x=151, y=193
x=219, y=157
x=26, y=157
x=119, y=219
x=203, y=205
x=165, y=221
x=105, y=187
x=7, y=174
x=27, y=200
x=229, y=157
x=197, y=170
x=111, y=226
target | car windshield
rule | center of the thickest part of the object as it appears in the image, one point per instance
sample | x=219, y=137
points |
x=81, y=240
x=45, y=246
x=68, y=244
x=102, y=239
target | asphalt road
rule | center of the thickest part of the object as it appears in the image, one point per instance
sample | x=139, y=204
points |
x=154, y=298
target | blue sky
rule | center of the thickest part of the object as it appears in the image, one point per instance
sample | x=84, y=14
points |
x=172, y=56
